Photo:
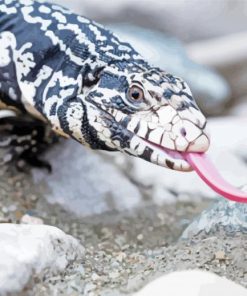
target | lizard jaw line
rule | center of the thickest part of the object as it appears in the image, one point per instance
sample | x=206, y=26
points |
x=176, y=157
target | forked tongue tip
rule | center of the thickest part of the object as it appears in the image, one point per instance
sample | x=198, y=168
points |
x=209, y=174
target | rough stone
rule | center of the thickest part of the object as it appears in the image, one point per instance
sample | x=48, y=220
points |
x=228, y=216
x=27, y=251
x=85, y=182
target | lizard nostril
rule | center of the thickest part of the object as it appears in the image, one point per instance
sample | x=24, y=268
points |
x=183, y=132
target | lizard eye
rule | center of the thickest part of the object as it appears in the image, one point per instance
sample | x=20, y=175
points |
x=136, y=94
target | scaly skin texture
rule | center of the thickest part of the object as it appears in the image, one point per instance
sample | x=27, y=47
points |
x=75, y=76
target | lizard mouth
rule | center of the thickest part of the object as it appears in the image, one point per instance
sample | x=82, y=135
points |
x=163, y=156
x=198, y=161
x=140, y=147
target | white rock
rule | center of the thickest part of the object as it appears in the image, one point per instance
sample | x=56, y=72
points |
x=85, y=182
x=28, y=250
x=228, y=149
x=192, y=283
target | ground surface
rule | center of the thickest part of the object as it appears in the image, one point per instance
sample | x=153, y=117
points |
x=124, y=248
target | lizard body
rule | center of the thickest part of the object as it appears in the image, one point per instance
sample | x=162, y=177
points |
x=62, y=70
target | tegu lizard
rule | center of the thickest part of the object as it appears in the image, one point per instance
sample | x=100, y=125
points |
x=63, y=73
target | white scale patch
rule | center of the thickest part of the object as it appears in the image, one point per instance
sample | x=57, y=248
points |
x=142, y=129
x=97, y=33
x=64, y=82
x=59, y=17
x=55, y=39
x=74, y=117
x=7, y=10
x=103, y=132
x=4, y=56
x=156, y=135
x=12, y=94
x=193, y=131
x=137, y=146
x=118, y=58
x=43, y=74
x=26, y=2
x=119, y=116
x=133, y=123
x=166, y=114
x=82, y=38
x=61, y=9
x=24, y=60
x=44, y=9
x=83, y=20
x=7, y=42
x=197, y=117
x=27, y=10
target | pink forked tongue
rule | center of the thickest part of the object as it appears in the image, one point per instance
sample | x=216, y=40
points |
x=206, y=170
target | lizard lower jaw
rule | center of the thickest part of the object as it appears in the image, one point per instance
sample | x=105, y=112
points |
x=169, y=158
x=158, y=155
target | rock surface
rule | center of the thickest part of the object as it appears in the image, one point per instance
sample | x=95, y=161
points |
x=28, y=251
x=193, y=283
x=85, y=182
x=228, y=216
x=127, y=248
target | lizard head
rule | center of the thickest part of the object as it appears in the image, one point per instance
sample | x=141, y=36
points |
x=147, y=113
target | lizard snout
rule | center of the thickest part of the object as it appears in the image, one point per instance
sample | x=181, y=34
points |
x=190, y=137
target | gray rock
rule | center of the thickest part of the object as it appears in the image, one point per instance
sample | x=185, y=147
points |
x=210, y=89
x=86, y=182
x=28, y=251
x=225, y=215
